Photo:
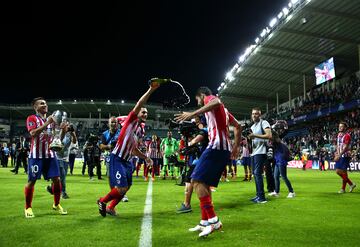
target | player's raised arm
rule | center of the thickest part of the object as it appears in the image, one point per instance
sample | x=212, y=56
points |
x=214, y=103
x=142, y=101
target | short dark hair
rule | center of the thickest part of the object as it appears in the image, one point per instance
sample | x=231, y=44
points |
x=36, y=99
x=345, y=124
x=203, y=90
x=256, y=109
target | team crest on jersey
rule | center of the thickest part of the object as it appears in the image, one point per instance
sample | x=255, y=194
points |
x=31, y=124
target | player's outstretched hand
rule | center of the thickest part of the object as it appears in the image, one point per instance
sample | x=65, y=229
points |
x=183, y=116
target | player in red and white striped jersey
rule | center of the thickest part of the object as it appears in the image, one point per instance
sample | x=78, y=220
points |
x=154, y=153
x=42, y=160
x=213, y=160
x=343, y=157
x=120, y=168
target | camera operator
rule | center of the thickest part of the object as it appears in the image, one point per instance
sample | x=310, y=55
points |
x=67, y=137
x=93, y=156
x=260, y=135
x=108, y=140
x=196, y=147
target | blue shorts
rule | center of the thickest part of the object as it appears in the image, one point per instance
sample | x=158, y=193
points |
x=210, y=166
x=120, y=172
x=343, y=163
x=49, y=168
x=232, y=162
x=246, y=161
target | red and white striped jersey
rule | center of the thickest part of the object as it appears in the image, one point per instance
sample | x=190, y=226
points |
x=218, y=121
x=154, y=150
x=140, y=131
x=127, y=140
x=245, y=148
x=342, y=140
x=40, y=144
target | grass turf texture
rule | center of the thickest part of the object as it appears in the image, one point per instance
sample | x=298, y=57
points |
x=318, y=216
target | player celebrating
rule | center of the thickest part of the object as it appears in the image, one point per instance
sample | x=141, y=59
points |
x=42, y=160
x=213, y=160
x=343, y=156
x=120, y=169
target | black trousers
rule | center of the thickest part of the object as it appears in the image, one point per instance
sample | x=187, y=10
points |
x=269, y=173
x=95, y=163
x=4, y=160
x=72, y=162
x=21, y=159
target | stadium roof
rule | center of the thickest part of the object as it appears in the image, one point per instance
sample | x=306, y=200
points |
x=83, y=108
x=302, y=35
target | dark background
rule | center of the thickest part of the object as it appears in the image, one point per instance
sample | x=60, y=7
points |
x=109, y=49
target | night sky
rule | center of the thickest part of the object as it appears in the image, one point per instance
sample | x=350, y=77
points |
x=110, y=49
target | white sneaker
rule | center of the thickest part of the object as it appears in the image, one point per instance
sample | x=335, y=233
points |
x=342, y=191
x=197, y=228
x=274, y=194
x=227, y=180
x=211, y=228
x=125, y=199
x=291, y=195
x=352, y=187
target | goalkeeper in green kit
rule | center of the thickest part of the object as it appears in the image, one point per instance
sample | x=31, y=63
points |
x=169, y=147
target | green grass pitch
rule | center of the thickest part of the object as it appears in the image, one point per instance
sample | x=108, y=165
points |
x=318, y=216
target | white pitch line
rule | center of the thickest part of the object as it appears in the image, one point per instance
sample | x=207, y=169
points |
x=146, y=226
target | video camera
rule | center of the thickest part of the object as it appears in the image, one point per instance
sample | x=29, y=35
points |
x=71, y=127
x=92, y=139
x=186, y=128
x=246, y=130
x=191, y=150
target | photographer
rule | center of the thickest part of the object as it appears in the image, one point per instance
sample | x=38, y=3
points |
x=108, y=140
x=67, y=137
x=93, y=156
x=260, y=135
x=195, y=148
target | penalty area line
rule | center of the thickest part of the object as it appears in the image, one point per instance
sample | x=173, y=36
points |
x=146, y=226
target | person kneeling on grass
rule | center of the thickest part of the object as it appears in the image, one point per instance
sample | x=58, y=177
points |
x=281, y=156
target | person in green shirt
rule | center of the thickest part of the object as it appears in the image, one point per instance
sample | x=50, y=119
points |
x=169, y=146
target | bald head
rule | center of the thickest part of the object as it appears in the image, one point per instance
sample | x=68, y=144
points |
x=113, y=124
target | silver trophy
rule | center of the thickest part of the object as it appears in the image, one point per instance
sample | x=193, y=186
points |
x=56, y=144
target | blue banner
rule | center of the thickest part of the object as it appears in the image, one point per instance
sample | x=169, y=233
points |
x=325, y=111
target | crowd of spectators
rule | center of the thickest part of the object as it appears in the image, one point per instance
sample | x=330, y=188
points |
x=323, y=135
x=318, y=98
